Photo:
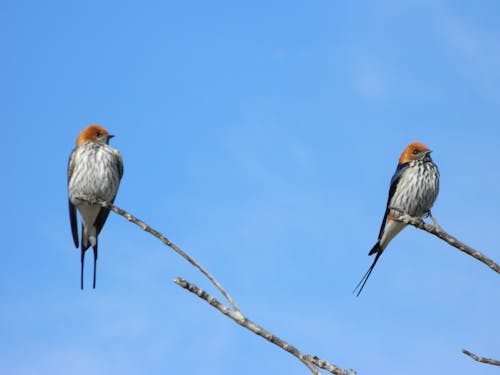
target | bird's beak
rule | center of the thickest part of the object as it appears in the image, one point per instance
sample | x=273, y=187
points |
x=106, y=138
x=426, y=155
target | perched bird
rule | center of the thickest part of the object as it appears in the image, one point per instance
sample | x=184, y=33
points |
x=414, y=188
x=94, y=173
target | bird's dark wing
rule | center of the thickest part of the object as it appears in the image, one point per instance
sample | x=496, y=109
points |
x=394, y=184
x=377, y=249
x=72, y=208
x=74, y=225
x=101, y=218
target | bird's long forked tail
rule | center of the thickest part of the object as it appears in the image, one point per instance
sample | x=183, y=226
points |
x=84, y=249
x=95, y=264
x=81, y=273
x=378, y=250
x=95, y=268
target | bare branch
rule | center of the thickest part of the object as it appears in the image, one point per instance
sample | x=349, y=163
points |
x=310, y=361
x=440, y=233
x=170, y=244
x=313, y=363
x=481, y=359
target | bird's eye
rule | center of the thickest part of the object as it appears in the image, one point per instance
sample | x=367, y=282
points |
x=97, y=134
x=415, y=152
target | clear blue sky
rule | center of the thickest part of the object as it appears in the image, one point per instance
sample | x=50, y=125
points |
x=261, y=138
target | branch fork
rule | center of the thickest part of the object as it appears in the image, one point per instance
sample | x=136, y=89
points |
x=313, y=363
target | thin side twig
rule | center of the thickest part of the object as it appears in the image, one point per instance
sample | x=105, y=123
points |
x=170, y=244
x=489, y=361
x=312, y=362
x=440, y=233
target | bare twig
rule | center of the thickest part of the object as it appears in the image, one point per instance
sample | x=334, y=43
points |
x=481, y=359
x=170, y=244
x=312, y=362
x=440, y=233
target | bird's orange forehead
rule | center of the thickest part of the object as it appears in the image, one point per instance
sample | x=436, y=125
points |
x=90, y=133
x=408, y=154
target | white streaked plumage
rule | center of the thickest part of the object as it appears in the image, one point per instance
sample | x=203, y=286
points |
x=414, y=188
x=94, y=173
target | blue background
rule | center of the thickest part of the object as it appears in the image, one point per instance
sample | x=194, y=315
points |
x=260, y=137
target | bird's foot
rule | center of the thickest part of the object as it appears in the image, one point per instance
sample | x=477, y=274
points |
x=434, y=221
x=87, y=199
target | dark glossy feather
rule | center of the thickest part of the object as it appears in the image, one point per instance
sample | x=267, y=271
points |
x=394, y=184
x=72, y=208
x=95, y=262
x=74, y=224
x=378, y=250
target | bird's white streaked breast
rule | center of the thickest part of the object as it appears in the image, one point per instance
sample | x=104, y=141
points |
x=95, y=173
x=417, y=189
